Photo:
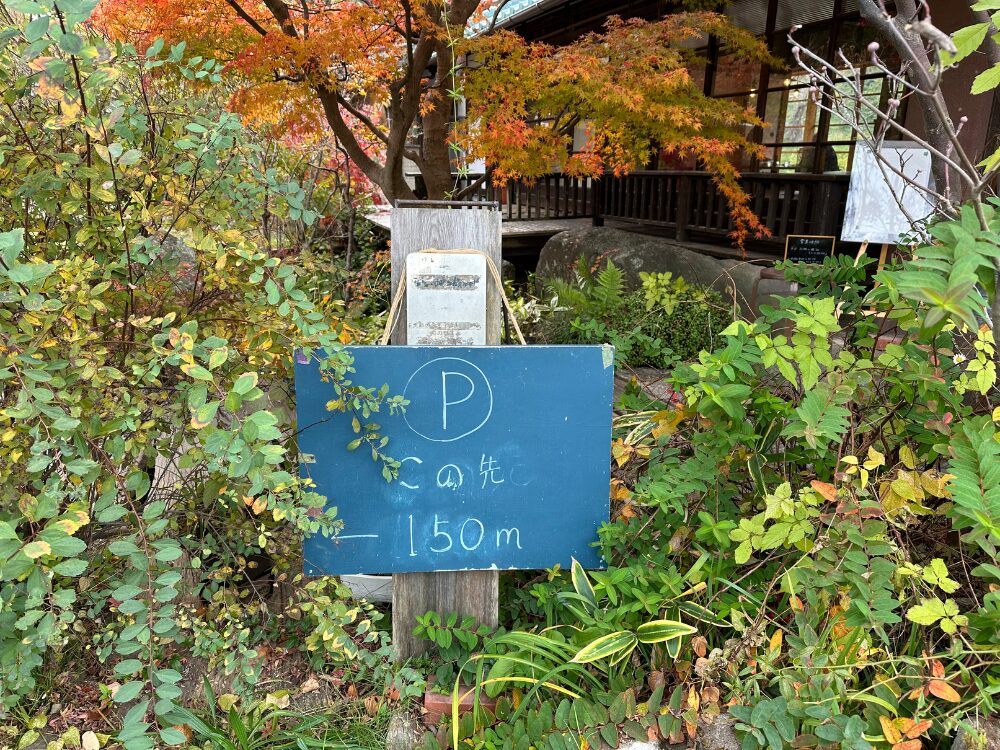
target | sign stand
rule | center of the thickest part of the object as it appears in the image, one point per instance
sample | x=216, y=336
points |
x=416, y=226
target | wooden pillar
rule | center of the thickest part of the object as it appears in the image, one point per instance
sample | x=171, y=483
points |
x=418, y=226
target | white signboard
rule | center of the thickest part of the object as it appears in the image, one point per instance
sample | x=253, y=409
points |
x=446, y=299
x=885, y=199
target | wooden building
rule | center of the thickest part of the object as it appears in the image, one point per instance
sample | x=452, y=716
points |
x=800, y=185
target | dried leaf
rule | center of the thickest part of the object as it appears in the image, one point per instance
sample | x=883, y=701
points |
x=700, y=645
x=309, y=686
x=710, y=694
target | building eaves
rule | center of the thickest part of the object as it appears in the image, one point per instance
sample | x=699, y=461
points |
x=513, y=12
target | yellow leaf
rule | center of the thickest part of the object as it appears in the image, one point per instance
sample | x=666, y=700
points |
x=34, y=550
x=875, y=459
x=775, y=645
x=889, y=731
x=908, y=457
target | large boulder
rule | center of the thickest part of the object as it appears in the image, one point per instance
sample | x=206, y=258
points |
x=978, y=733
x=635, y=253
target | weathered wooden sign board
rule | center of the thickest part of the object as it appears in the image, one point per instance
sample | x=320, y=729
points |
x=809, y=248
x=504, y=453
x=446, y=299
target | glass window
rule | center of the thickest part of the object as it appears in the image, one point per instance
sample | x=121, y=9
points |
x=791, y=116
x=735, y=75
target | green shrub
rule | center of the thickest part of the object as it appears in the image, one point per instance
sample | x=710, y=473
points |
x=663, y=322
x=145, y=323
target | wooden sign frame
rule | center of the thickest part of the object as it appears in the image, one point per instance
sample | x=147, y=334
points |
x=789, y=237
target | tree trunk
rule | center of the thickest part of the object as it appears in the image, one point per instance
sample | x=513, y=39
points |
x=913, y=53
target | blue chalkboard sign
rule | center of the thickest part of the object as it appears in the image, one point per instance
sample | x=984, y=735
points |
x=504, y=451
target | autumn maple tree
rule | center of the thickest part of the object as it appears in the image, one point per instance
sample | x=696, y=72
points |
x=383, y=76
x=630, y=86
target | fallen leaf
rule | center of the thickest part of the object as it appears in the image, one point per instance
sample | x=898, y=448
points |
x=937, y=668
x=710, y=694
x=309, y=686
x=700, y=645
x=907, y=745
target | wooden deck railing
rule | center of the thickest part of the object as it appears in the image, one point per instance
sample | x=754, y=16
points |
x=687, y=202
x=553, y=196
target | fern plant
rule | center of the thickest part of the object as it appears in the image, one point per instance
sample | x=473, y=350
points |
x=665, y=321
x=594, y=294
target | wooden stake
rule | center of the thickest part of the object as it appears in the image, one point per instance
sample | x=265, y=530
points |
x=416, y=228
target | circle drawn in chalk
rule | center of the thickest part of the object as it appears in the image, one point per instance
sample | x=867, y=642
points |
x=487, y=402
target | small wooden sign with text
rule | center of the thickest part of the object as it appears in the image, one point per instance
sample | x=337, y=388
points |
x=809, y=248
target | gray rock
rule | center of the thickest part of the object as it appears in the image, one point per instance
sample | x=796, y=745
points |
x=984, y=734
x=404, y=732
x=629, y=744
x=508, y=272
x=717, y=733
x=635, y=253
x=651, y=381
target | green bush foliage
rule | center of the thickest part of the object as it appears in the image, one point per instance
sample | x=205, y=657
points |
x=146, y=335
x=821, y=511
x=663, y=322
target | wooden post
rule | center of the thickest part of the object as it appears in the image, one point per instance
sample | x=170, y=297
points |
x=684, y=187
x=420, y=226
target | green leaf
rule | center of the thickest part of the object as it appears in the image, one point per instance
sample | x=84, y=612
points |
x=11, y=245
x=36, y=28
x=582, y=584
x=988, y=80
x=70, y=568
x=966, y=41
x=605, y=646
x=928, y=612
x=129, y=691
x=245, y=383
x=658, y=631
x=204, y=415
x=173, y=736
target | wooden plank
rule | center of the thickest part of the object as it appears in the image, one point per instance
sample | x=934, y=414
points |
x=773, y=197
x=801, y=209
x=470, y=593
x=786, y=208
